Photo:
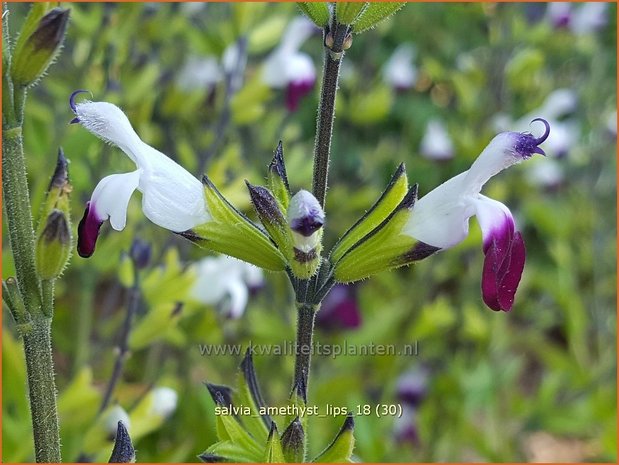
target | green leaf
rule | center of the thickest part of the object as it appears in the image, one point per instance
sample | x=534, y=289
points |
x=388, y=201
x=318, y=12
x=248, y=394
x=340, y=450
x=232, y=233
x=228, y=451
x=375, y=13
x=349, y=12
x=273, y=452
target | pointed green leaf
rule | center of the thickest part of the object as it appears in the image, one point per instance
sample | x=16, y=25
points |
x=273, y=452
x=318, y=12
x=340, y=450
x=375, y=13
x=349, y=12
x=229, y=451
x=249, y=395
x=278, y=179
x=385, y=247
x=232, y=233
x=384, y=206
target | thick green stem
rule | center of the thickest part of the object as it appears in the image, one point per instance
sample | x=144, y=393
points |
x=306, y=314
x=42, y=390
x=19, y=218
x=326, y=110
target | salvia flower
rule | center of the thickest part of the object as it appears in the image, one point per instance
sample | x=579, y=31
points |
x=412, y=386
x=171, y=197
x=399, y=72
x=226, y=282
x=306, y=218
x=288, y=68
x=339, y=309
x=440, y=218
x=399, y=229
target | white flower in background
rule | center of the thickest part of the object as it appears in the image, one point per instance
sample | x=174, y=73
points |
x=436, y=143
x=288, y=68
x=234, y=61
x=580, y=18
x=171, y=197
x=399, y=72
x=548, y=174
x=164, y=401
x=226, y=282
x=199, y=73
x=440, y=219
x=611, y=123
x=112, y=417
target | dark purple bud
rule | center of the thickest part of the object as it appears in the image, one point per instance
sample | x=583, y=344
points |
x=305, y=215
x=123, y=451
x=60, y=178
x=296, y=91
x=339, y=309
x=88, y=231
x=405, y=428
x=140, y=253
x=277, y=166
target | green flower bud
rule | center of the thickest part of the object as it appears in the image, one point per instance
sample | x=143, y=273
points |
x=53, y=246
x=340, y=450
x=278, y=180
x=293, y=442
x=36, y=51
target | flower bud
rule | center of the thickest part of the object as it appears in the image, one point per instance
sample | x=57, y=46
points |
x=305, y=219
x=53, y=246
x=123, y=451
x=277, y=177
x=34, y=54
x=293, y=442
x=140, y=253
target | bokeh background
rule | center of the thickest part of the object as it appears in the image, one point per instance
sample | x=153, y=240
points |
x=538, y=383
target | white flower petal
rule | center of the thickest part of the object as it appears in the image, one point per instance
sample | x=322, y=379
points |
x=110, y=198
x=399, y=71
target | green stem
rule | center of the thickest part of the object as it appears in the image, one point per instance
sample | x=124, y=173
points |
x=19, y=218
x=326, y=111
x=42, y=390
x=306, y=314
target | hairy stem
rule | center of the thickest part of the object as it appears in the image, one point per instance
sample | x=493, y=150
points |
x=306, y=314
x=42, y=390
x=326, y=109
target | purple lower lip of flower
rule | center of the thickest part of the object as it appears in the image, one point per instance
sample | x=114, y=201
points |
x=307, y=225
x=88, y=232
x=503, y=266
x=296, y=91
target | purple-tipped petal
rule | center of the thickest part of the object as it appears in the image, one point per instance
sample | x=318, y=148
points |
x=74, y=120
x=296, y=91
x=88, y=231
x=72, y=98
x=305, y=215
x=539, y=150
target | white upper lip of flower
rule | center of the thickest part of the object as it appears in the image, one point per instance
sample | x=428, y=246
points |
x=171, y=197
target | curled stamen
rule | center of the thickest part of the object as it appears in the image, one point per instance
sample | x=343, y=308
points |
x=544, y=136
x=72, y=98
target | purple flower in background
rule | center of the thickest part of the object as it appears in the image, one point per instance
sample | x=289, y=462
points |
x=288, y=68
x=339, y=309
x=441, y=218
x=580, y=18
x=405, y=427
x=412, y=386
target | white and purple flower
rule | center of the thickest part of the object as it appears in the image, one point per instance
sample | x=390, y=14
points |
x=440, y=219
x=339, y=309
x=171, y=197
x=287, y=67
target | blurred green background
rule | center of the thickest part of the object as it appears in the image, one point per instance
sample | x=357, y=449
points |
x=536, y=383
